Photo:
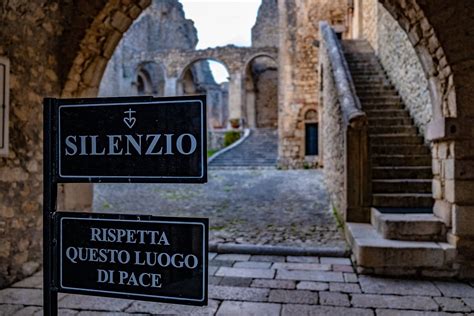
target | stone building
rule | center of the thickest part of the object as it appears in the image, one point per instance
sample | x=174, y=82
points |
x=61, y=49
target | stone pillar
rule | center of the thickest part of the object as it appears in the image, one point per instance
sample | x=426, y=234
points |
x=235, y=95
x=171, y=86
x=75, y=197
x=250, y=107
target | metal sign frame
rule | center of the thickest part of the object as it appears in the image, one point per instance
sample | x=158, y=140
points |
x=51, y=179
x=202, y=224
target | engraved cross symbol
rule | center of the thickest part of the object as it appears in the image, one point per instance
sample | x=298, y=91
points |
x=129, y=120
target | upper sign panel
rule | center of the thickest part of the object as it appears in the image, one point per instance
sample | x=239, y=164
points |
x=159, y=140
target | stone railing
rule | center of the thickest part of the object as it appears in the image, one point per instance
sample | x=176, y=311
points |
x=345, y=135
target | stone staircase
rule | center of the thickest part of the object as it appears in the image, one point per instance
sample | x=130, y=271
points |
x=403, y=231
x=260, y=149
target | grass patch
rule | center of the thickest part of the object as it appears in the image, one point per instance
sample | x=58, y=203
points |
x=231, y=137
x=337, y=216
x=211, y=152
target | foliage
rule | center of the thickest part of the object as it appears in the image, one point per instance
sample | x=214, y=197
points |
x=231, y=137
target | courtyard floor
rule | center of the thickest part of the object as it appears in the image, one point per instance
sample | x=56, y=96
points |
x=242, y=284
x=261, y=206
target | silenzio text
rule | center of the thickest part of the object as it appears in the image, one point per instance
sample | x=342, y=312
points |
x=138, y=144
x=130, y=258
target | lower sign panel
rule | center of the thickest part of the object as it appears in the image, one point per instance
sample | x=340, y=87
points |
x=161, y=259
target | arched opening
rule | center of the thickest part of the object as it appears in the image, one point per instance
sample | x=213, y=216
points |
x=150, y=80
x=261, y=92
x=209, y=77
x=143, y=83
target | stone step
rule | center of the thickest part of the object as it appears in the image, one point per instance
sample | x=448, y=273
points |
x=396, y=149
x=380, y=99
x=402, y=172
x=382, y=106
x=391, y=139
x=412, y=227
x=400, y=160
x=376, y=93
x=401, y=186
x=361, y=87
x=387, y=113
x=357, y=73
x=389, y=121
x=373, y=252
x=407, y=129
x=402, y=200
x=370, y=80
x=259, y=149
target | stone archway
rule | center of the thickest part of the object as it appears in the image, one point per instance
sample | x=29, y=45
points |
x=88, y=67
x=98, y=45
x=441, y=33
x=260, y=101
x=198, y=76
x=153, y=78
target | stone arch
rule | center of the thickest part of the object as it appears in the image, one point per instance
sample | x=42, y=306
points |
x=194, y=79
x=257, y=55
x=98, y=45
x=88, y=66
x=187, y=64
x=154, y=75
x=431, y=55
x=260, y=86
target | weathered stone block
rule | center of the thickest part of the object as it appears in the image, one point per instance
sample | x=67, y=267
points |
x=463, y=220
x=442, y=209
x=298, y=297
x=392, y=301
x=334, y=299
x=459, y=191
x=248, y=308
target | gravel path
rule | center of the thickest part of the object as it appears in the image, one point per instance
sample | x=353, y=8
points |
x=257, y=206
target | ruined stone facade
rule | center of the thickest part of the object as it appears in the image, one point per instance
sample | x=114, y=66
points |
x=149, y=61
x=161, y=27
x=298, y=73
x=265, y=31
x=61, y=48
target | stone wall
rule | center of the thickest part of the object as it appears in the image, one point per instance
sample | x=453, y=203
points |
x=298, y=73
x=40, y=38
x=332, y=137
x=369, y=21
x=34, y=75
x=265, y=81
x=160, y=28
x=265, y=31
x=402, y=65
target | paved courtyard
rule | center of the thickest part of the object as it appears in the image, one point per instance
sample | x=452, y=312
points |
x=271, y=285
x=245, y=206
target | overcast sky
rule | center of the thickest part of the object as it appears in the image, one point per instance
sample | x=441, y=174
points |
x=222, y=22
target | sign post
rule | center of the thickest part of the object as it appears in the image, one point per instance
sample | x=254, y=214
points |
x=127, y=140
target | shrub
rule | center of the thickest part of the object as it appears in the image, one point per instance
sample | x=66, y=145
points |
x=231, y=137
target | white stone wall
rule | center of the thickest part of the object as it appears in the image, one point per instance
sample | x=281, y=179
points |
x=403, y=67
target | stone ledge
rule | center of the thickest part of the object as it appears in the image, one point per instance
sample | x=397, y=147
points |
x=374, y=253
x=409, y=227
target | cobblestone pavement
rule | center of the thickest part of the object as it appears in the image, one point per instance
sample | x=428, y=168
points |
x=248, y=206
x=271, y=285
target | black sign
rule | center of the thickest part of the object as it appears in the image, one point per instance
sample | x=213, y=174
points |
x=137, y=257
x=129, y=140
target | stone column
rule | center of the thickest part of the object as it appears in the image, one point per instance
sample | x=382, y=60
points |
x=171, y=86
x=250, y=109
x=235, y=95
